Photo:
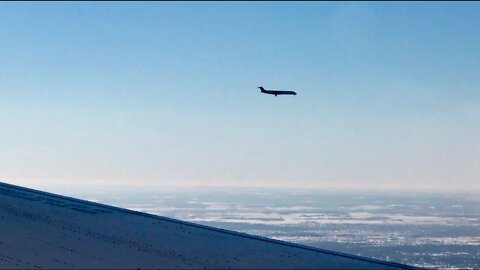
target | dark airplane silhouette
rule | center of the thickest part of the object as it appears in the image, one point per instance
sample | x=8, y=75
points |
x=276, y=92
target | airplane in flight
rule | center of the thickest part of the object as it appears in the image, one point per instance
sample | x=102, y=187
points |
x=276, y=92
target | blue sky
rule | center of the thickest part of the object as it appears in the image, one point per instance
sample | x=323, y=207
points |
x=165, y=94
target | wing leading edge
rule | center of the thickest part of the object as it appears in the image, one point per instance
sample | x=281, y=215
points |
x=61, y=231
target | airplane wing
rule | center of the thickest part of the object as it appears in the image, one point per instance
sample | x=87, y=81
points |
x=45, y=230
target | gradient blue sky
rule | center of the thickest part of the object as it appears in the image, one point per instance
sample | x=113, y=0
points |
x=165, y=94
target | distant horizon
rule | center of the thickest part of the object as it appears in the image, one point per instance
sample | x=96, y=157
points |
x=152, y=187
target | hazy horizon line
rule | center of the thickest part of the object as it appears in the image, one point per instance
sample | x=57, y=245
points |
x=169, y=186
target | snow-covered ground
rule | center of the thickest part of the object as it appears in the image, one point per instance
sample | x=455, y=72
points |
x=42, y=230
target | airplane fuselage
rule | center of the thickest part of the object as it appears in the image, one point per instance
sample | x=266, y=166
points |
x=276, y=92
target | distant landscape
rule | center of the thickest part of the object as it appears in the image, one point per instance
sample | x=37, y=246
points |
x=440, y=230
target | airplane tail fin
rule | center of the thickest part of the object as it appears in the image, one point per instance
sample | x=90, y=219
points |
x=261, y=88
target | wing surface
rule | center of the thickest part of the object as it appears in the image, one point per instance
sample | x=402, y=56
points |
x=45, y=230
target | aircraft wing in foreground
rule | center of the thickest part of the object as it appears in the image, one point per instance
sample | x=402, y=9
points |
x=45, y=230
